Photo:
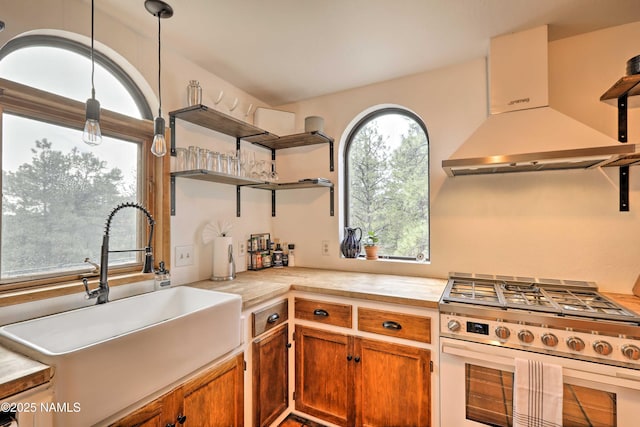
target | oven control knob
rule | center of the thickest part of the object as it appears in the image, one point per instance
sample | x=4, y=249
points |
x=525, y=336
x=602, y=347
x=631, y=351
x=575, y=344
x=453, y=325
x=549, y=340
x=503, y=332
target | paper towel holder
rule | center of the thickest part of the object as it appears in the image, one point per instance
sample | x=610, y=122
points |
x=224, y=265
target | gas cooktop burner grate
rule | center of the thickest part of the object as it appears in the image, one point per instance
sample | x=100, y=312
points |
x=565, y=298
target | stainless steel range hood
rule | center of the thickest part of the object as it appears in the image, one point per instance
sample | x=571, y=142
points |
x=523, y=133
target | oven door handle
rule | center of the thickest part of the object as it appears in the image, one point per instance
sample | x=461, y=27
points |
x=617, y=377
x=464, y=351
x=628, y=376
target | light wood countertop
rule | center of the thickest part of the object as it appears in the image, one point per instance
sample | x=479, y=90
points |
x=19, y=373
x=628, y=301
x=256, y=287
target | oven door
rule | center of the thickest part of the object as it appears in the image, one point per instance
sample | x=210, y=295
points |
x=476, y=388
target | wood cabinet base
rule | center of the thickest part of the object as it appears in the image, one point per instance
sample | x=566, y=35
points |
x=349, y=381
x=214, y=398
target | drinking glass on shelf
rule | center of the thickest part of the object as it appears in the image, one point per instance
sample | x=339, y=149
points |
x=234, y=168
x=242, y=164
x=203, y=153
x=225, y=164
x=261, y=170
x=213, y=161
x=251, y=164
x=181, y=159
x=192, y=158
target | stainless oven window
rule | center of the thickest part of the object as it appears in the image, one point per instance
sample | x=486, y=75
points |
x=489, y=400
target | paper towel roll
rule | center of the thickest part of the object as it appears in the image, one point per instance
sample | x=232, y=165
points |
x=222, y=262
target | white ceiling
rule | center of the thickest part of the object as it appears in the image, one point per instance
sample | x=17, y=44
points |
x=282, y=51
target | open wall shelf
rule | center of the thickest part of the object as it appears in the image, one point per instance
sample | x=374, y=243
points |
x=212, y=119
x=618, y=94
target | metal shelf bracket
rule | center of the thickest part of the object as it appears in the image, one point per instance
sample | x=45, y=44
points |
x=622, y=137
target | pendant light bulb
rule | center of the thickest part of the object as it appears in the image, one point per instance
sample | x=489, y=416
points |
x=91, y=134
x=159, y=146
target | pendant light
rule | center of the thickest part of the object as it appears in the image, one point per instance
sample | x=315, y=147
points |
x=161, y=10
x=91, y=134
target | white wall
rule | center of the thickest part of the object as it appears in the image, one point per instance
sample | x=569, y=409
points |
x=563, y=224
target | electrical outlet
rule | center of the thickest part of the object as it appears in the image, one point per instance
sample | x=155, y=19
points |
x=184, y=255
x=241, y=248
x=325, y=248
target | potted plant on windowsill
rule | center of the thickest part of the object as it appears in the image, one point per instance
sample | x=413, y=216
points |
x=370, y=245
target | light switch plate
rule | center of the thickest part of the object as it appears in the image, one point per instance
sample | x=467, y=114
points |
x=184, y=255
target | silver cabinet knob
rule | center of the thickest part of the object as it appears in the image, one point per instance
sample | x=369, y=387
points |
x=549, y=340
x=503, y=332
x=631, y=352
x=602, y=347
x=575, y=343
x=526, y=336
x=453, y=325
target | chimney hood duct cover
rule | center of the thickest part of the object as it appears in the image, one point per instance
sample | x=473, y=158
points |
x=527, y=133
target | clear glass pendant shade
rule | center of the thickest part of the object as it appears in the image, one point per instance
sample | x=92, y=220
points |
x=91, y=134
x=159, y=146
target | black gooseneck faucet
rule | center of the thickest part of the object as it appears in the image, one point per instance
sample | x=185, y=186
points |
x=102, y=291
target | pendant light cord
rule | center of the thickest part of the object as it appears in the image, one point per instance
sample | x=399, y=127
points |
x=93, y=89
x=159, y=65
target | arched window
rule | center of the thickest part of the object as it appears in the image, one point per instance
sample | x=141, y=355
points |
x=58, y=191
x=386, y=166
x=63, y=66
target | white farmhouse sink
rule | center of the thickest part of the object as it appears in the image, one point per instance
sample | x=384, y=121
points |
x=106, y=357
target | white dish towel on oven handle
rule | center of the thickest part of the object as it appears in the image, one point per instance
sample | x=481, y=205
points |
x=537, y=400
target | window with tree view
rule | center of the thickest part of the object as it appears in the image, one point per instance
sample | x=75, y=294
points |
x=387, y=182
x=57, y=191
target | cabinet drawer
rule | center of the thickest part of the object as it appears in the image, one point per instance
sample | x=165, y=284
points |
x=400, y=325
x=269, y=317
x=329, y=313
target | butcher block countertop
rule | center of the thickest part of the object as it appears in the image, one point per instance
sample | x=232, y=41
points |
x=19, y=373
x=628, y=301
x=256, y=287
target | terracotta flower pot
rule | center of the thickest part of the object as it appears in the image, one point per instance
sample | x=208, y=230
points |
x=371, y=251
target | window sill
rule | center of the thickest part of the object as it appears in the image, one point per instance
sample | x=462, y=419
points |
x=60, y=289
x=390, y=260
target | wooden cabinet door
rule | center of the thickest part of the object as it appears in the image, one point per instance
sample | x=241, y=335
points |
x=159, y=413
x=149, y=415
x=270, y=376
x=324, y=382
x=215, y=399
x=392, y=384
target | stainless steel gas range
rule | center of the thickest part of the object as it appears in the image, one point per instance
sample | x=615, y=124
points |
x=489, y=321
x=561, y=317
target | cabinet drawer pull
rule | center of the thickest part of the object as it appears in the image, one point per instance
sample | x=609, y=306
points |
x=320, y=312
x=356, y=359
x=273, y=318
x=181, y=419
x=349, y=358
x=391, y=325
